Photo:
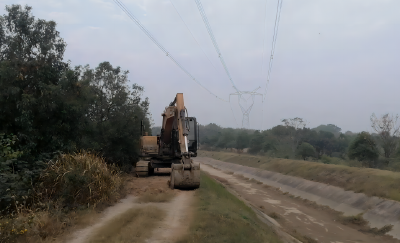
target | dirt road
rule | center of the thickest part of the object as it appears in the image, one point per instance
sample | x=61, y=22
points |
x=302, y=219
x=170, y=229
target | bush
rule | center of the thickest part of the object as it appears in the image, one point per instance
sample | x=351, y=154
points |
x=79, y=179
x=305, y=150
x=69, y=182
x=364, y=149
x=326, y=159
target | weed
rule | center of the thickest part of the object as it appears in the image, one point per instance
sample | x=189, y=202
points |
x=353, y=219
x=79, y=179
x=68, y=190
x=381, y=231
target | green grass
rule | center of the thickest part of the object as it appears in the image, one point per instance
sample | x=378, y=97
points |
x=221, y=217
x=372, y=182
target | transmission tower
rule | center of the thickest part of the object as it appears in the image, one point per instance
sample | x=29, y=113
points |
x=246, y=102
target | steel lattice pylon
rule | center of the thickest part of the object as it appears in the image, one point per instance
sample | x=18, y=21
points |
x=244, y=106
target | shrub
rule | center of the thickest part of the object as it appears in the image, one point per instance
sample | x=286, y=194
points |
x=364, y=149
x=79, y=179
x=326, y=159
x=306, y=150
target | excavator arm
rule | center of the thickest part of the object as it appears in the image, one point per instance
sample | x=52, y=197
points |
x=186, y=174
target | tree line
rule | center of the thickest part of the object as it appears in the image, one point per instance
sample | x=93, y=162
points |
x=293, y=139
x=48, y=107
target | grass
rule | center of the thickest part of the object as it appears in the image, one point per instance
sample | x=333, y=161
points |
x=68, y=194
x=221, y=217
x=156, y=197
x=79, y=179
x=134, y=225
x=372, y=182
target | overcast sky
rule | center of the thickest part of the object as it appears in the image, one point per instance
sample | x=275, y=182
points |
x=336, y=61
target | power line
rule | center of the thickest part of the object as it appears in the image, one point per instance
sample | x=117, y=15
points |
x=210, y=33
x=187, y=27
x=137, y=22
x=271, y=59
x=274, y=37
x=265, y=34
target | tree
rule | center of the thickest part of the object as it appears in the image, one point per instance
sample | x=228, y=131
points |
x=388, y=131
x=305, y=150
x=297, y=124
x=35, y=84
x=329, y=128
x=47, y=107
x=242, y=139
x=115, y=114
x=363, y=148
x=226, y=137
x=256, y=142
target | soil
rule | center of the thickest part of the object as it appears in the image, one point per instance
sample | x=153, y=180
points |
x=178, y=210
x=302, y=219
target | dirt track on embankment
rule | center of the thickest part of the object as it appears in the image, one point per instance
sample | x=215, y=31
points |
x=301, y=218
x=170, y=229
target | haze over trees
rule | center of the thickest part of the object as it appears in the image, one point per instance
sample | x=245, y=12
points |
x=324, y=143
x=49, y=107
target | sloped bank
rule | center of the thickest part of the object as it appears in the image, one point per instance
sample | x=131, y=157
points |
x=377, y=211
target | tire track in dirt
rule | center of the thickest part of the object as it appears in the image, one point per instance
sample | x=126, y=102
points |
x=175, y=224
x=171, y=228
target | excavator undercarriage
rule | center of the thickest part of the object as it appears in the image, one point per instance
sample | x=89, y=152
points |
x=173, y=148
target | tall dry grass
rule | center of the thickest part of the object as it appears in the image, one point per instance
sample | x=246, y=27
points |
x=67, y=194
x=79, y=179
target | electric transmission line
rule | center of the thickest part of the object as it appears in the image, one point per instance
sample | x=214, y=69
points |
x=271, y=58
x=140, y=25
x=214, y=41
x=274, y=37
x=242, y=102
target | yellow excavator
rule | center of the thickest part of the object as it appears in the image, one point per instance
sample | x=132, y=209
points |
x=173, y=148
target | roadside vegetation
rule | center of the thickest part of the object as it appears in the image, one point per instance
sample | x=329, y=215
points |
x=323, y=144
x=222, y=217
x=68, y=193
x=372, y=182
x=50, y=111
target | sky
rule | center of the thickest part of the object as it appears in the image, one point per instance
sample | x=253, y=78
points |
x=335, y=62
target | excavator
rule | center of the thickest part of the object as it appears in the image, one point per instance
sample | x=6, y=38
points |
x=173, y=148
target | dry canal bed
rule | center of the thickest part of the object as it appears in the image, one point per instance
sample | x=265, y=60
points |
x=302, y=219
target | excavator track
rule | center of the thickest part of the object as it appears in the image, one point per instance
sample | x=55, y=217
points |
x=142, y=168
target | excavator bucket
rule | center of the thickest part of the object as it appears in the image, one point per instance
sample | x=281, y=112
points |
x=185, y=176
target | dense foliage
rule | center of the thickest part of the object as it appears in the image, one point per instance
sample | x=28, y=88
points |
x=48, y=107
x=363, y=148
x=280, y=141
x=294, y=140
